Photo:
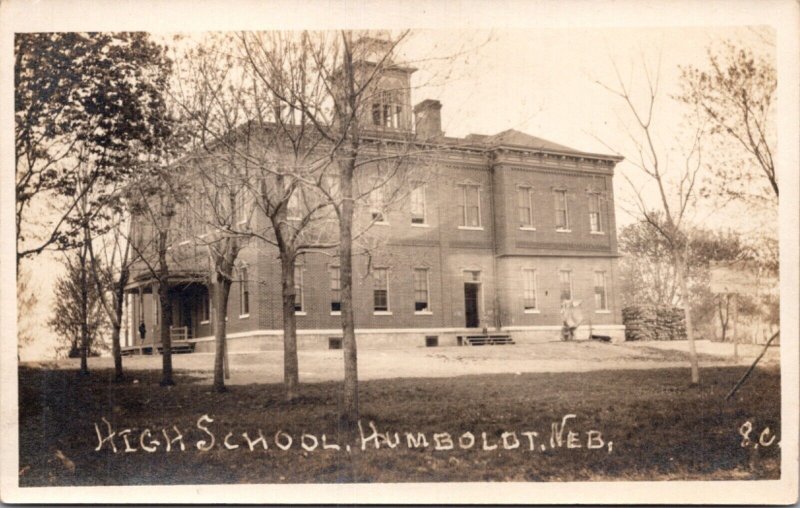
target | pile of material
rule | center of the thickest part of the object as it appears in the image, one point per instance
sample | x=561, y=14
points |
x=651, y=322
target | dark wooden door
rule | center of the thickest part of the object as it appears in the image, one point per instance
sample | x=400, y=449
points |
x=471, y=304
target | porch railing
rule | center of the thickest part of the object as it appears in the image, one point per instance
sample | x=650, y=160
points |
x=180, y=333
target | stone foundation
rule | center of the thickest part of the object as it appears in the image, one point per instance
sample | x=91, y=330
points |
x=400, y=339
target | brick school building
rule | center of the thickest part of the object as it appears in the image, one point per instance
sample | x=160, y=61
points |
x=508, y=228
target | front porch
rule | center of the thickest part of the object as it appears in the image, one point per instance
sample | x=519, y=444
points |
x=189, y=318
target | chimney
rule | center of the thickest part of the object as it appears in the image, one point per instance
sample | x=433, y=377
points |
x=428, y=118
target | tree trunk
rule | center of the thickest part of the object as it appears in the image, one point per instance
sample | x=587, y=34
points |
x=222, y=290
x=166, y=311
x=166, y=339
x=84, y=315
x=734, y=336
x=119, y=301
x=117, y=352
x=350, y=395
x=723, y=318
x=681, y=269
x=291, y=375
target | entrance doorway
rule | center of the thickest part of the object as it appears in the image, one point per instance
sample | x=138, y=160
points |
x=471, y=307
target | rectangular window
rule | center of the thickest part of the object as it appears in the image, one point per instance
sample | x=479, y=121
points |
x=524, y=207
x=470, y=206
x=298, y=289
x=595, y=224
x=530, y=283
x=386, y=112
x=205, y=308
x=380, y=293
x=377, y=202
x=421, y=293
x=600, y=294
x=562, y=217
x=387, y=115
x=336, y=289
x=377, y=117
x=418, y=205
x=240, y=216
x=565, y=282
x=244, y=292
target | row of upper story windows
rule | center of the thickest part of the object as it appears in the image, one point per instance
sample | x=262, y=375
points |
x=469, y=211
x=470, y=214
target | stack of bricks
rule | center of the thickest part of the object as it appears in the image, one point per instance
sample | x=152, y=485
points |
x=650, y=322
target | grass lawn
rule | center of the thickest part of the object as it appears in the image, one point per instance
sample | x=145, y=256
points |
x=658, y=426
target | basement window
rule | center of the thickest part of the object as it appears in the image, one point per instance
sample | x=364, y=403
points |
x=432, y=341
x=334, y=343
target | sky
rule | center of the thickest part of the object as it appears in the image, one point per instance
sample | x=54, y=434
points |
x=542, y=81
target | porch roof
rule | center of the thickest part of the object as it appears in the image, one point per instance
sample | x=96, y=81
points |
x=145, y=281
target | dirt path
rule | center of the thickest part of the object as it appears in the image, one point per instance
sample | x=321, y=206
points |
x=324, y=365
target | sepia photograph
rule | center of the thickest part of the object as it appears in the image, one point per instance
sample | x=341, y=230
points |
x=442, y=252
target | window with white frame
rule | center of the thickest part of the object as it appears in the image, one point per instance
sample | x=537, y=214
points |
x=562, y=213
x=386, y=110
x=240, y=216
x=470, y=206
x=530, y=289
x=336, y=289
x=377, y=202
x=244, y=291
x=418, y=205
x=205, y=308
x=421, y=291
x=298, y=289
x=380, y=292
x=595, y=219
x=565, y=283
x=600, y=291
x=524, y=207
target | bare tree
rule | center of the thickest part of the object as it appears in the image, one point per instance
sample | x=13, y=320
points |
x=251, y=155
x=219, y=202
x=675, y=190
x=77, y=316
x=262, y=106
x=735, y=94
x=352, y=66
x=157, y=193
x=111, y=269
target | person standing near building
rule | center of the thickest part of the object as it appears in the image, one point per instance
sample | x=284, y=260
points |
x=571, y=317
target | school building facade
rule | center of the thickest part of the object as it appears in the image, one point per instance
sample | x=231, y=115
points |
x=508, y=228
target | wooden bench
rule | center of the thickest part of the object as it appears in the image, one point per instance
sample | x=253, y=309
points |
x=178, y=347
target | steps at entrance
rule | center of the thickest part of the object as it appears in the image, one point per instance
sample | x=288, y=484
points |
x=178, y=347
x=486, y=340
